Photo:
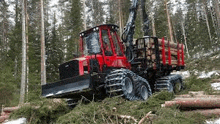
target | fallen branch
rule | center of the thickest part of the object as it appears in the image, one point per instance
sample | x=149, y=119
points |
x=128, y=117
x=142, y=120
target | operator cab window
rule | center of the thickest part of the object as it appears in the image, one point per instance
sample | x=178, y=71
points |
x=106, y=43
x=91, y=44
x=116, y=44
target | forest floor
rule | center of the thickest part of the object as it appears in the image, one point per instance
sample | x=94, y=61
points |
x=199, y=75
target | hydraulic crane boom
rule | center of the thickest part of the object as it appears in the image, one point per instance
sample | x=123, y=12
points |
x=127, y=36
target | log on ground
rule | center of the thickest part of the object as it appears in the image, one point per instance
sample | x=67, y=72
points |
x=195, y=103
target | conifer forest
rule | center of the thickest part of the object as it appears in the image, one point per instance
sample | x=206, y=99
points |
x=195, y=23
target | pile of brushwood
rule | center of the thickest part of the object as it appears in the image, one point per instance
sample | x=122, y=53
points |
x=109, y=110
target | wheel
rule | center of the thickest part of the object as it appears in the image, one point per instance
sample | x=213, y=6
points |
x=127, y=85
x=121, y=82
x=71, y=103
x=144, y=92
x=143, y=89
x=170, y=87
x=177, y=86
x=171, y=83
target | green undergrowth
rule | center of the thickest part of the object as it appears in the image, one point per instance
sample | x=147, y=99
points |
x=175, y=116
x=194, y=84
x=207, y=63
x=111, y=110
x=42, y=112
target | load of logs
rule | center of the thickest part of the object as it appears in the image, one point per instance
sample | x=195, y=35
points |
x=168, y=50
x=196, y=102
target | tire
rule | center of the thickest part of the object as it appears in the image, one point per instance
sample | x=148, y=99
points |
x=143, y=90
x=178, y=86
x=128, y=87
x=170, y=87
x=171, y=83
x=121, y=82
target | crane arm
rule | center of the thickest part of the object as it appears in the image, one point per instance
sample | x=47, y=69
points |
x=127, y=35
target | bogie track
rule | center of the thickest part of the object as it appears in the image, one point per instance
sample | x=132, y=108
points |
x=171, y=83
x=123, y=82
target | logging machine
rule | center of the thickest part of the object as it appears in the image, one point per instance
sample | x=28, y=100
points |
x=108, y=66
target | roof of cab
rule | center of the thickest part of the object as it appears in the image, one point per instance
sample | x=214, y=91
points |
x=92, y=29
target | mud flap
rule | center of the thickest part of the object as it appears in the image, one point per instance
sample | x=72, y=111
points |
x=66, y=87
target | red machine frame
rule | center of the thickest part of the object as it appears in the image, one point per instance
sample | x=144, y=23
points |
x=114, y=61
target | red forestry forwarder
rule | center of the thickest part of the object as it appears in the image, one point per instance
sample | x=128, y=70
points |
x=109, y=67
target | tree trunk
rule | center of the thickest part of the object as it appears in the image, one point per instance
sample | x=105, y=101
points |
x=43, y=69
x=217, y=11
x=169, y=23
x=23, y=73
x=153, y=26
x=184, y=35
x=27, y=76
x=120, y=17
x=207, y=22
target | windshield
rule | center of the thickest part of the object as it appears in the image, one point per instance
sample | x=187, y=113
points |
x=91, y=43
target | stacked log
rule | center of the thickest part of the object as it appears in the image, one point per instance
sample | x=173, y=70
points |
x=206, y=105
x=150, y=52
x=195, y=103
x=3, y=117
x=6, y=113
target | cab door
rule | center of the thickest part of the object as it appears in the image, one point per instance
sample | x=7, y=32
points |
x=113, y=55
x=108, y=51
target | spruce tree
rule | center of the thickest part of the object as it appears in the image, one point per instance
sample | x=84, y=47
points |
x=54, y=54
x=10, y=56
x=161, y=25
x=73, y=22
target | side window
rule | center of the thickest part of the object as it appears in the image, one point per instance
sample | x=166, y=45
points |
x=106, y=43
x=91, y=43
x=85, y=49
x=117, y=47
